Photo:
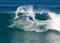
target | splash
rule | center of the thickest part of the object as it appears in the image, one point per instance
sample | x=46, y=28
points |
x=28, y=19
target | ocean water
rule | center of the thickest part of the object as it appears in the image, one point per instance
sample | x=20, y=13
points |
x=29, y=21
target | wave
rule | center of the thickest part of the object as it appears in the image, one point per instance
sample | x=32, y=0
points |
x=30, y=19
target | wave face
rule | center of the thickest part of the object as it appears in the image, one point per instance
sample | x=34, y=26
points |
x=30, y=19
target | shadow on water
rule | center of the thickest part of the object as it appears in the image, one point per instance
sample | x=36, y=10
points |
x=14, y=35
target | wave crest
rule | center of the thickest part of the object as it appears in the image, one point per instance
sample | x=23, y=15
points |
x=25, y=19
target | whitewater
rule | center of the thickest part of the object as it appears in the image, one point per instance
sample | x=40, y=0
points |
x=28, y=18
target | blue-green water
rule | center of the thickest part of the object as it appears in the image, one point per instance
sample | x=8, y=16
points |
x=15, y=35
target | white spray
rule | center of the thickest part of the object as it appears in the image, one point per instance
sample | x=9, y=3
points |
x=34, y=25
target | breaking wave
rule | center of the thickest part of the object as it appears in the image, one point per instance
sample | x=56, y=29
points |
x=29, y=19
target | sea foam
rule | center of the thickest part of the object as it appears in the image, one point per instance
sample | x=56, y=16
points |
x=25, y=19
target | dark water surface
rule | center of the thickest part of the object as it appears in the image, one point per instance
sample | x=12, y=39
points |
x=11, y=5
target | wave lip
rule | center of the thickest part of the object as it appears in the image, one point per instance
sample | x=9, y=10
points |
x=25, y=19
